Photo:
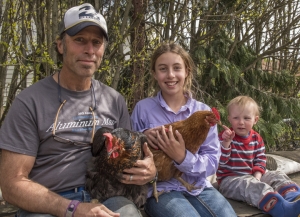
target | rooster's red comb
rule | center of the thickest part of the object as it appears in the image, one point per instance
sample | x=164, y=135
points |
x=216, y=112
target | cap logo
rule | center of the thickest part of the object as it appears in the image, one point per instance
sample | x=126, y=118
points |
x=88, y=12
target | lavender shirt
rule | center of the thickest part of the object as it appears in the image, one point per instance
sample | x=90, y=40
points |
x=153, y=112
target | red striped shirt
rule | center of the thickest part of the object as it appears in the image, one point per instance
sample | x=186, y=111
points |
x=246, y=155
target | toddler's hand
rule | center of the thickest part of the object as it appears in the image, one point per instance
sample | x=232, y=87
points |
x=257, y=175
x=227, y=135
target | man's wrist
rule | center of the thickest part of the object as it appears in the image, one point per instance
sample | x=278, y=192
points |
x=155, y=178
x=72, y=208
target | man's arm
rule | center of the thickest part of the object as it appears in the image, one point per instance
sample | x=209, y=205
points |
x=18, y=190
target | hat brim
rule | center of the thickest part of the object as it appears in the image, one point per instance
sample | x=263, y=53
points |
x=80, y=26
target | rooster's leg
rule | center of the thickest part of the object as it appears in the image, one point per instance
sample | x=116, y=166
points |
x=156, y=194
x=188, y=186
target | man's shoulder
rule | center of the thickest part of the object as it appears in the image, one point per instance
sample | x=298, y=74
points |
x=39, y=88
x=99, y=86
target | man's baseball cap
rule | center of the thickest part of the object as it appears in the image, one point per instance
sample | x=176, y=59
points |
x=79, y=17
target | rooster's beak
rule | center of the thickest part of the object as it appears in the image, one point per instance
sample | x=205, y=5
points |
x=112, y=153
x=109, y=153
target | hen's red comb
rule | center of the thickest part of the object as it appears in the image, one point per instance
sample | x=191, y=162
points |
x=216, y=112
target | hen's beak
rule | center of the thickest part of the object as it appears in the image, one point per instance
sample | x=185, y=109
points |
x=112, y=153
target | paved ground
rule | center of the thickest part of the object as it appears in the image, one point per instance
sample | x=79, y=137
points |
x=241, y=209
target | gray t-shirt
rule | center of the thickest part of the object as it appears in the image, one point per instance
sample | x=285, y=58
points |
x=27, y=129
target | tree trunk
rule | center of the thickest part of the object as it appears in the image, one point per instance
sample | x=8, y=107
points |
x=54, y=29
x=5, y=41
x=138, y=51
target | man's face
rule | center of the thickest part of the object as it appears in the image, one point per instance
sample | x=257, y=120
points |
x=82, y=53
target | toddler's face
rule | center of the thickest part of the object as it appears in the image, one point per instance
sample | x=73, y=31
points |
x=242, y=119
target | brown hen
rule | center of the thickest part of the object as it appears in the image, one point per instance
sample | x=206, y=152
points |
x=194, y=131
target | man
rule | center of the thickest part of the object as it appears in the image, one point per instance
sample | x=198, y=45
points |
x=46, y=136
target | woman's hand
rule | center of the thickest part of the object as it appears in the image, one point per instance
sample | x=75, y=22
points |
x=151, y=137
x=174, y=148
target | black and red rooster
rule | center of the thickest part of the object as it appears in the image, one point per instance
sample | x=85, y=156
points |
x=114, y=150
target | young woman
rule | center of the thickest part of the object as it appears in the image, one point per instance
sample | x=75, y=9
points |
x=172, y=69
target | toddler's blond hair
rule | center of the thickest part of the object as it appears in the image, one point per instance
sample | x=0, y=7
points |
x=244, y=101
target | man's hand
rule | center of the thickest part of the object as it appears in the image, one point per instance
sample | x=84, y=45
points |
x=92, y=209
x=143, y=171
